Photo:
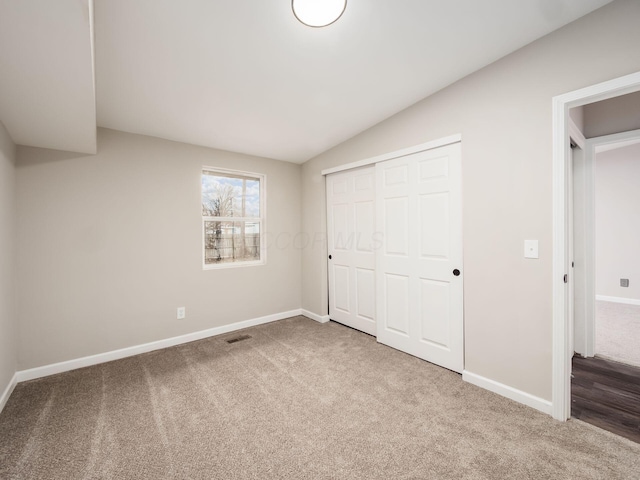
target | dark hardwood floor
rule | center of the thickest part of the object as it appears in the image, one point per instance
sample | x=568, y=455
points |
x=607, y=394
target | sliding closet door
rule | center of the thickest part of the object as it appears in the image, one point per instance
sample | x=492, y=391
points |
x=419, y=267
x=351, y=235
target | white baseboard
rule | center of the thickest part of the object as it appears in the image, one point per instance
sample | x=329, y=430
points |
x=507, y=391
x=60, y=367
x=7, y=391
x=315, y=316
x=628, y=301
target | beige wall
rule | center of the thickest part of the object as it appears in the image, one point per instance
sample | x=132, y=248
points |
x=615, y=115
x=618, y=222
x=8, y=324
x=109, y=247
x=504, y=115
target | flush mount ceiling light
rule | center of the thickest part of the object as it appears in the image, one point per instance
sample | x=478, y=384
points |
x=318, y=13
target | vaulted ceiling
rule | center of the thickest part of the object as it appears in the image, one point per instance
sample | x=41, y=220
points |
x=244, y=75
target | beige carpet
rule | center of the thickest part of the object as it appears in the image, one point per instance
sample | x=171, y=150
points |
x=298, y=400
x=618, y=332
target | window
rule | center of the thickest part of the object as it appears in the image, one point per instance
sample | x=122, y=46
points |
x=232, y=218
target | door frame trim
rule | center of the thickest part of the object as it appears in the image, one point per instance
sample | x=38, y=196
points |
x=440, y=142
x=561, y=337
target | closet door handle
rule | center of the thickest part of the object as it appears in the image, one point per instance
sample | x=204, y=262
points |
x=330, y=257
x=456, y=272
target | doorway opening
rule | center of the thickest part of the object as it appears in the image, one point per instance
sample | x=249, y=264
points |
x=573, y=289
x=602, y=244
x=605, y=384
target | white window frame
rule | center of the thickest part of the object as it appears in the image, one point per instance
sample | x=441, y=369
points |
x=262, y=219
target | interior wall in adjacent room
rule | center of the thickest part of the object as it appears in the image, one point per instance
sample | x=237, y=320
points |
x=615, y=115
x=8, y=320
x=617, y=201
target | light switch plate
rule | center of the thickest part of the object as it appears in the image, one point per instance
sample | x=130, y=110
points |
x=531, y=249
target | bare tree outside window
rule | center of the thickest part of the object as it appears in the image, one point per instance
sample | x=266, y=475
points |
x=231, y=214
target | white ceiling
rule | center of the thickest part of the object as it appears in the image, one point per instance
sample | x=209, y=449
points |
x=245, y=75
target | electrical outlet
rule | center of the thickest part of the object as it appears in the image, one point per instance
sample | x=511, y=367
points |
x=624, y=282
x=182, y=312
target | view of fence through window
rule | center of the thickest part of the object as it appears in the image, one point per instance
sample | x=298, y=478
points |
x=231, y=217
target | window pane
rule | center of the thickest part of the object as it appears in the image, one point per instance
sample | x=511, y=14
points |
x=226, y=242
x=230, y=196
x=252, y=198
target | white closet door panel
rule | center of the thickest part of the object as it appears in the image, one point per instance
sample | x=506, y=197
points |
x=396, y=226
x=434, y=312
x=396, y=303
x=434, y=226
x=420, y=299
x=352, y=242
x=365, y=295
x=341, y=230
x=341, y=288
x=365, y=217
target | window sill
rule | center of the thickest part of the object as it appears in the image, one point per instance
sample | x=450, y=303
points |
x=220, y=266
